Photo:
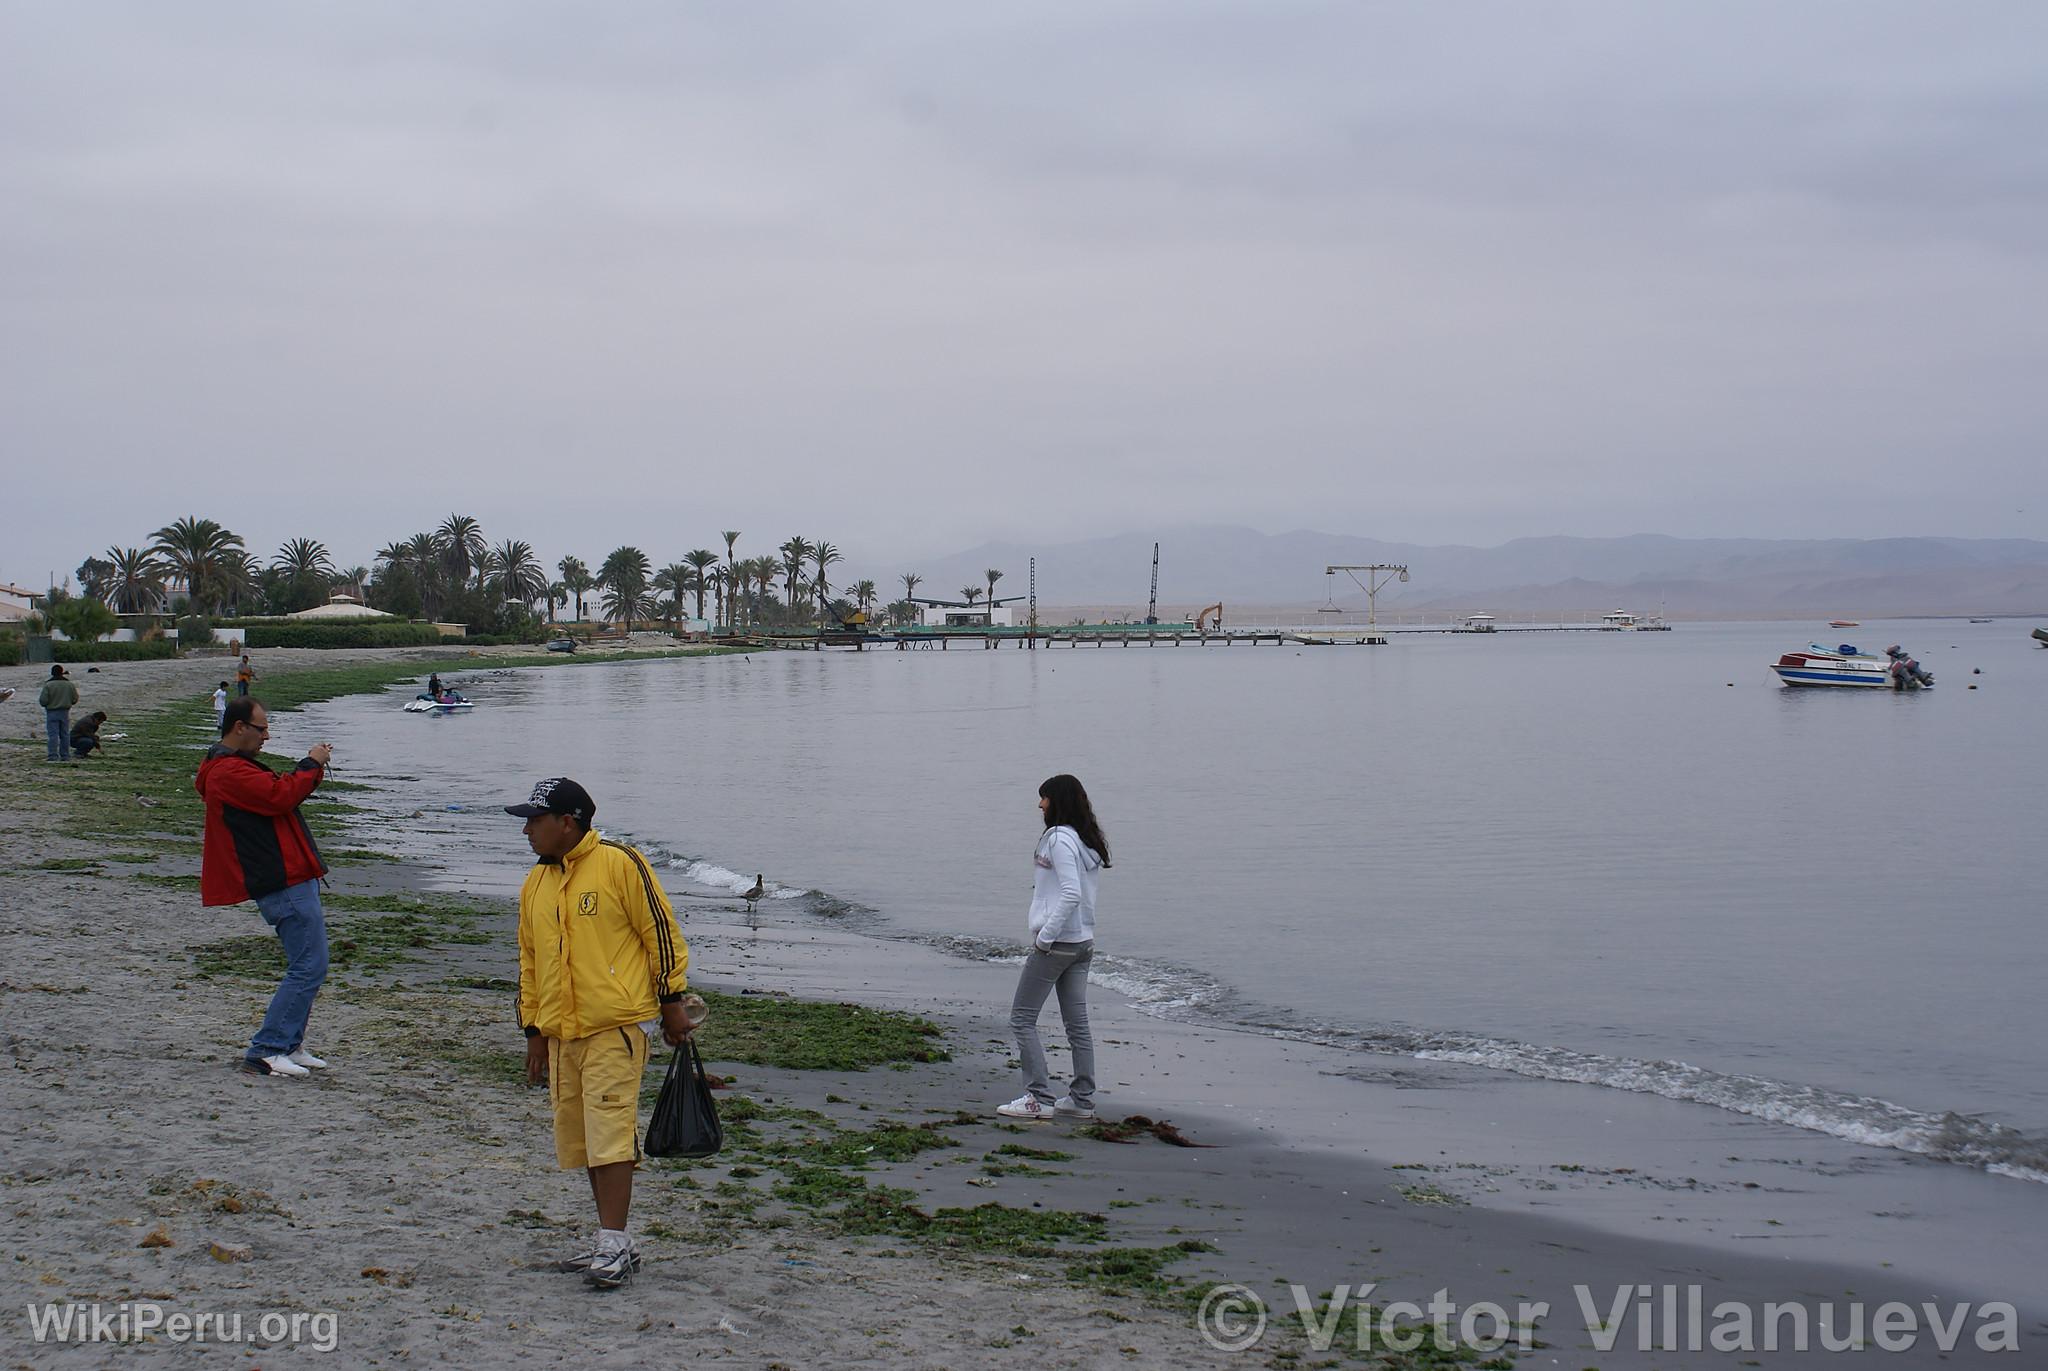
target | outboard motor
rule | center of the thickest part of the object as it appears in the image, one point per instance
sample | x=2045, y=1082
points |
x=1907, y=674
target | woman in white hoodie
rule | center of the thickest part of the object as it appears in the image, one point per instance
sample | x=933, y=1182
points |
x=1070, y=854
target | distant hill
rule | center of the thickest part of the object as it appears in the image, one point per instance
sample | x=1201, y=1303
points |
x=1685, y=577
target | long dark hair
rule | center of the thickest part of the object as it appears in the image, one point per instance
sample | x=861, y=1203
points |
x=1068, y=804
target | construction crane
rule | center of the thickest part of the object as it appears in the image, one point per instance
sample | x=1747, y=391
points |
x=1152, y=608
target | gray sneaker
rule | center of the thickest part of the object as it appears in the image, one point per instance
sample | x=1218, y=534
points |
x=1065, y=1108
x=610, y=1270
x=581, y=1263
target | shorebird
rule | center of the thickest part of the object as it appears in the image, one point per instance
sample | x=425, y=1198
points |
x=146, y=802
x=752, y=895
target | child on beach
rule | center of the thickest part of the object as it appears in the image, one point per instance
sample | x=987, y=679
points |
x=220, y=704
x=1069, y=854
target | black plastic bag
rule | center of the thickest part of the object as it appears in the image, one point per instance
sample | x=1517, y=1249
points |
x=685, y=1121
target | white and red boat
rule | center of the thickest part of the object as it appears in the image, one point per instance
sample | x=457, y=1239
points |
x=1818, y=666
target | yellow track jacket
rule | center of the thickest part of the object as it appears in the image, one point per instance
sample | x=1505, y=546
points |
x=598, y=943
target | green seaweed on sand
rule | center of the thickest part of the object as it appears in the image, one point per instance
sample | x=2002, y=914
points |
x=1139, y=1270
x=813, y=1035
x=359, y=944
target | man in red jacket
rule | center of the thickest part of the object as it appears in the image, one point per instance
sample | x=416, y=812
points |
x=259, y=848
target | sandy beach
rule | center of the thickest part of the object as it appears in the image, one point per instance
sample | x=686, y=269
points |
x=408, y=1191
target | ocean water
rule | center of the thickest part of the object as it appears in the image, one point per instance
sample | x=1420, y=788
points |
x=1633, y=860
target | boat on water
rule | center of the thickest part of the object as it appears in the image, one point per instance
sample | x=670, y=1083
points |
x=2041, y=636
x=426, y=705
x=1843, y=623
x=1820, y=666
x=1622, y=621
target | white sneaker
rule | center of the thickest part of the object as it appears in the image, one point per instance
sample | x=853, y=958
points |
x=1065, y=1108
x=1025, y=1107
x=281, y=1065
x=305, y=1058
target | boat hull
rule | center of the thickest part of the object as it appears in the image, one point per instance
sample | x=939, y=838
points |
x=1820, y=676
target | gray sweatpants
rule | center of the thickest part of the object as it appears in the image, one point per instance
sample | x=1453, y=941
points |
x=1065, y=970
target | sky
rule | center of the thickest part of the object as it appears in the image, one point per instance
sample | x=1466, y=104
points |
x=909, y=277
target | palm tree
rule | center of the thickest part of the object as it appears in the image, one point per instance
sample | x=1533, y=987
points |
x=720, y=579
x=731, y=536
x=794, y=552
x=355, y=578
x=136, y=585
x=864, y=594
x=624, y=578
x=911, y=581
x=558, y=594
x=993, y=576
x=461, y=542
x=674, y=578
x=303, y=557
x=511, y=570
x=970, y=594
x=194, y=549
x=699, y=558
x=766, y=569
x=420, y=555
x=822, y=556
x=575, y=579
x=238, y=577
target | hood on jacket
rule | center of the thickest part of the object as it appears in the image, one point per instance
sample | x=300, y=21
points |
x=1091, y=860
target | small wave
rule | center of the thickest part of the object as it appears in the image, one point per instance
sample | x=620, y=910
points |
x=1861, y=1119
x=700, y=872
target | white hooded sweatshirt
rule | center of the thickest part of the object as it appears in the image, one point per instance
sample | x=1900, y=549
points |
x=1063, y=888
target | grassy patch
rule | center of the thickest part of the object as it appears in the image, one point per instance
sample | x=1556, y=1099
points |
x=811, y=1035
x=354, y=945
x=1137, y=1270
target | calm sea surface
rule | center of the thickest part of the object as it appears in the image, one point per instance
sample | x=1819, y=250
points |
x=1586, y=856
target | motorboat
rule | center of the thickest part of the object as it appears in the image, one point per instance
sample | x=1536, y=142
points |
x=562, y=644
x=427, y=704
x=1843, y=623
x=2041, y=636
x=1821, y=666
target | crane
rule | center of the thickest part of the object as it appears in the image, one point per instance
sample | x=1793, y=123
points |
x=1152, y=609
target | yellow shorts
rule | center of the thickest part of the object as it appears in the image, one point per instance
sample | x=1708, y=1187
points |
x=595, y=1085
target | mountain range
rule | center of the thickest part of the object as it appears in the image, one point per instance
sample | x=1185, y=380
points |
x=1702, y=578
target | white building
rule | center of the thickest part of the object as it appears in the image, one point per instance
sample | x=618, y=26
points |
x=961, y=616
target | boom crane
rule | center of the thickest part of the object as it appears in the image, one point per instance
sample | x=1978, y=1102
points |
x=1152, y=608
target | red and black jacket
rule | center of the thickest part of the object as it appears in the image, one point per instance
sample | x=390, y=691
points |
x=256, y=842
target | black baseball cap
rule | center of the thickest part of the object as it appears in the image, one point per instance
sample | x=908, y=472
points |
x=556, y=795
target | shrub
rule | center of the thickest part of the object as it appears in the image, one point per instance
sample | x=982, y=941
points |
x=113, y=652
x=10, y=651
x=194, y=631
x=333, y=635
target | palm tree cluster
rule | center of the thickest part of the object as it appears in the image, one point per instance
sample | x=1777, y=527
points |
x=454, y=571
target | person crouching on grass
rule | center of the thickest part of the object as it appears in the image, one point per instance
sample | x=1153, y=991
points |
x=600, y=959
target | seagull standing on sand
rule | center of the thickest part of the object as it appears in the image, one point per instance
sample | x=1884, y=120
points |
x=752, y=895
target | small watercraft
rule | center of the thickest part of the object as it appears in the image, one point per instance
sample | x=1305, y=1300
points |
x=1843, y=623
x=428, y=705
x=2041, y=636
x=1820, y=666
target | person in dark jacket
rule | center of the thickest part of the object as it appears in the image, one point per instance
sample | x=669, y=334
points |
x=259, y=848
x=85, y=734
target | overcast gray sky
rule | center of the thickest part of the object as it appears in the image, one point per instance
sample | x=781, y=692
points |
x=909, y=276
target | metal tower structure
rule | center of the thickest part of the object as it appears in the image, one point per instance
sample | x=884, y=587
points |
x=1152, y=606
x=1371, y=585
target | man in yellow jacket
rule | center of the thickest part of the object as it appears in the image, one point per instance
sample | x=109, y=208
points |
x=600, y=960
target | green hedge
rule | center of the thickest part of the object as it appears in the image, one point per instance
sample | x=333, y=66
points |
x=338, y=635
x=10, y=651
x=113, y=652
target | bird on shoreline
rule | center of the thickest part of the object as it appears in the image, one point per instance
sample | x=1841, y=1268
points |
x=752, y=895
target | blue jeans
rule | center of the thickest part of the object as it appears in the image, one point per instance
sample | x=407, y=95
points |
x=1063, y=970
x=58, y=722
x=295, y=913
